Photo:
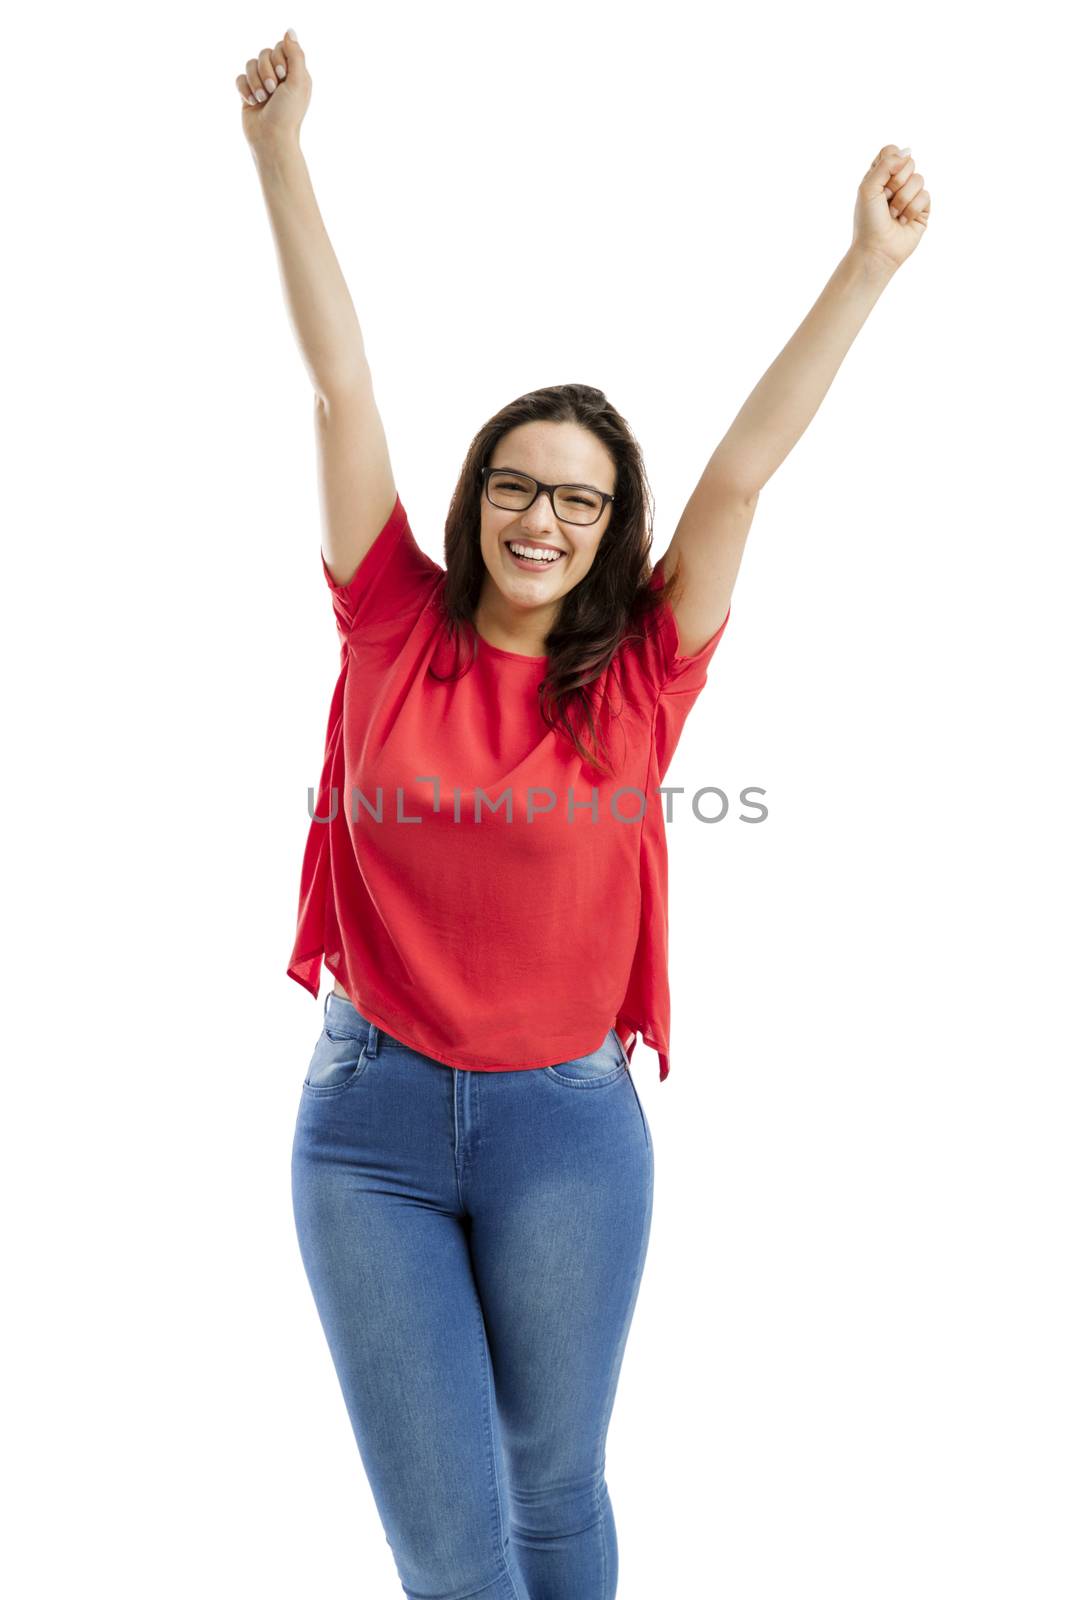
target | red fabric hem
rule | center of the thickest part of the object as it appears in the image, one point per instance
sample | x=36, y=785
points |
x=388, y=1025
x=628, y=1033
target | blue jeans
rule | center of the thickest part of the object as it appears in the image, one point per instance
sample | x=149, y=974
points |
x=474, y=1242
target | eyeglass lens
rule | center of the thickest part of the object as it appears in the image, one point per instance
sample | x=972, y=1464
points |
x=512, y=491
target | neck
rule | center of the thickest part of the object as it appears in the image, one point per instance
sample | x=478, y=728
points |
x=519, y=628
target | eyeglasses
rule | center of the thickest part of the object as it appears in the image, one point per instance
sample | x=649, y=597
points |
x=571, y=502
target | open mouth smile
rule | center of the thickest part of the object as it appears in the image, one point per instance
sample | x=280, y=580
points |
x=531, y=561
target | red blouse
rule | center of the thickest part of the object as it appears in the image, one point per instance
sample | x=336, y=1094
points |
x=486, y=940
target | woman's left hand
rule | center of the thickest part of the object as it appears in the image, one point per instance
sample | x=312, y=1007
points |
x=892, y=208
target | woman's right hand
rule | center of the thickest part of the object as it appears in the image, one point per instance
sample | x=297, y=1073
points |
x=276, y=117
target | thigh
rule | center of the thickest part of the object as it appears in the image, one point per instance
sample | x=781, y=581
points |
x=560, y=1229
x=386, y=1255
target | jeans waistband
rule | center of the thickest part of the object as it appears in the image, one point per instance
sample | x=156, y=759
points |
x=342, y=1014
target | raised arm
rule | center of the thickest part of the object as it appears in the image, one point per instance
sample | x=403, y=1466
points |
x=356, y=487
x=891, y=213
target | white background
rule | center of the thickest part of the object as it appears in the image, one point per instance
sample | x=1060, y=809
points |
x=845, y=1375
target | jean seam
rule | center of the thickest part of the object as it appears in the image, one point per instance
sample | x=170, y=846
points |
x=634, y=1287
x=644, y=1119
x=602, y=1491
x=487, y=1420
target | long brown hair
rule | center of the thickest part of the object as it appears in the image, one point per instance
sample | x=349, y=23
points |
x=614, y=597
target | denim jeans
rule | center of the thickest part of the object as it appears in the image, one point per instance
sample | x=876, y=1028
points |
x=474, y=1242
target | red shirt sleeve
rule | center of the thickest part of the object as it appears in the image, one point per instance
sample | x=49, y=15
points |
x=391, y=579
x=672, y=672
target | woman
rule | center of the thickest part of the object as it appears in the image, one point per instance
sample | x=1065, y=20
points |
x=472, y=1167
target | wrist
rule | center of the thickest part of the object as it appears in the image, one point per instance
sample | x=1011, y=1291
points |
x=869, y=266
x=276, y=154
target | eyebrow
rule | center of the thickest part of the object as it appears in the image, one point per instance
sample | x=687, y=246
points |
x=522, y=473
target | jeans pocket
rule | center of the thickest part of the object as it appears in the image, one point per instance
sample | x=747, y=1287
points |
x=601, y=1067
x=335, y=1064
x=342, y=1021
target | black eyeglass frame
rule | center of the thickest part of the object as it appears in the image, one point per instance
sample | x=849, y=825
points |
x=591, y=488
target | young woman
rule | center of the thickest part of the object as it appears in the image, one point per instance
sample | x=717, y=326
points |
x=486, y=880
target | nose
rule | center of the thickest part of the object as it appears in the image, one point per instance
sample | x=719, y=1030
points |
x=540, y=514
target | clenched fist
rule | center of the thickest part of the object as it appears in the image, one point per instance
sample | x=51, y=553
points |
x=892, y=208
x=276, y=89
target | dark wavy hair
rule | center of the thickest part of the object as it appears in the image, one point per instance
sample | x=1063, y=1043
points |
x=610, y=603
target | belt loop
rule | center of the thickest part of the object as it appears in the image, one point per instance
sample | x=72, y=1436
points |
x=372, y=1041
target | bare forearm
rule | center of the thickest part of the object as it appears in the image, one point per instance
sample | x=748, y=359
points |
x=320, y=307
x=792, y=389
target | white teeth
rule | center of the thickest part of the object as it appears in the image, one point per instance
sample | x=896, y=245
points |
x=535, y=555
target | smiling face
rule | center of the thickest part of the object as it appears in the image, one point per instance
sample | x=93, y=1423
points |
x=519, y=600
